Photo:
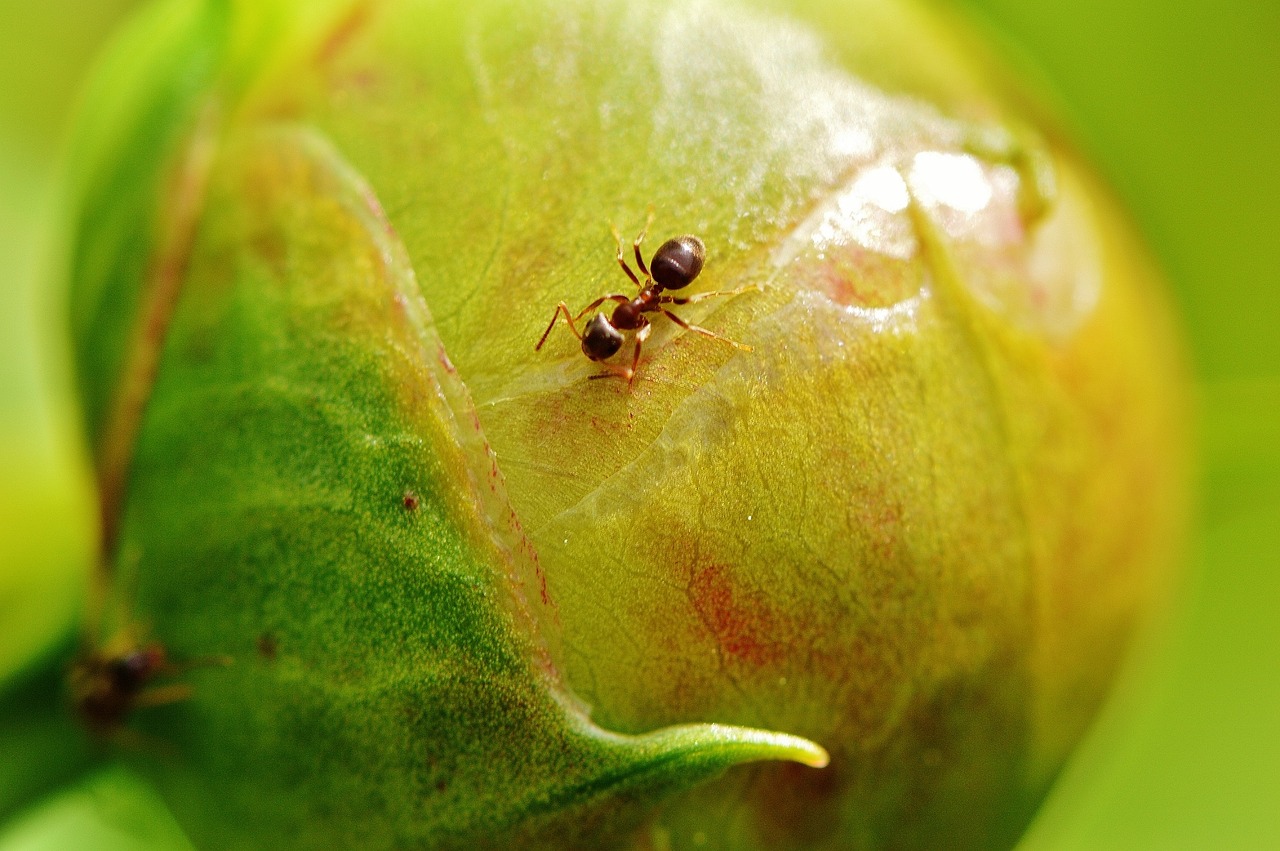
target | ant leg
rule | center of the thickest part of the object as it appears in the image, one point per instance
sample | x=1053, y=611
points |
x=131, y=740
x=178, y=668
x=560, y=308
x=666, y=299
x=570, y=318
x=641, y=336
x=703, y=331
x=622, y=260
x=635, y=246
x=627, y=374
x=618, y=297
x=163, y=695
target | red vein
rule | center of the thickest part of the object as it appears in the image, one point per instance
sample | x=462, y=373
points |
x=181, y=209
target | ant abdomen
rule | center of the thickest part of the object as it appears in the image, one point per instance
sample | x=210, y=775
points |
x=677, y=262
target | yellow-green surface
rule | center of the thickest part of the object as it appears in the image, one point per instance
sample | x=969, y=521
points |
x=1090, y=810
x=1178, y=102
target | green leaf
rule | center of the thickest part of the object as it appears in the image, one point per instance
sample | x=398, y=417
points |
x=108, y=810
x=42, y=745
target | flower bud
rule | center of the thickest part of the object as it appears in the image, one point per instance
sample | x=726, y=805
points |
x=889, y=491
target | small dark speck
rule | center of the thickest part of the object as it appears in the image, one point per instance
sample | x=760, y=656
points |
x=441, y=785
x=411, y=501
x=267, y=646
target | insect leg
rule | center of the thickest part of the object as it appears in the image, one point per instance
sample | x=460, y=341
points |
x=163, y=695
x=666, y=299
x=172, y=668
x=627, y=374
x=560, y=309
x=641, y=336
x=635, y=246
x=618, y=297
x=131, y=740
x=703, y=331
x=570, y=318
x=622, y=260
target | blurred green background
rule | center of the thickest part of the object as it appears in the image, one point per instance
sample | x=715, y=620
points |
x=1180, y=106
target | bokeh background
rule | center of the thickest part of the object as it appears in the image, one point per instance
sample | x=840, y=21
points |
x=1179, y=103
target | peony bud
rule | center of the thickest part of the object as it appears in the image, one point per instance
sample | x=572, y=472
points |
x=400, y=580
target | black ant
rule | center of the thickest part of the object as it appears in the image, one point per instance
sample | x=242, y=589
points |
x=674, y=266
x=108, y=684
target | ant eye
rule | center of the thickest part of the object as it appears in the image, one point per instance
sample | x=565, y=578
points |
x=677, y=262
x=601, y=340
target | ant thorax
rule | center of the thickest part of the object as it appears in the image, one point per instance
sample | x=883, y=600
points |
x=626, y=316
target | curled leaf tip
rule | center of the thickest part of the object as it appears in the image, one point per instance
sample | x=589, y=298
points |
x=713, y=747
x=769, y=745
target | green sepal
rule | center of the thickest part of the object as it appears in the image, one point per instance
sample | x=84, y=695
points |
x=305, y=508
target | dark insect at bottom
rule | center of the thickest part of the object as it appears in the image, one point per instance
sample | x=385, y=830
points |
x=109, y=684
x=674, y=266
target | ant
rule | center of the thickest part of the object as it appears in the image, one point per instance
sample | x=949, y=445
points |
x=674, y=266
x=108, y=684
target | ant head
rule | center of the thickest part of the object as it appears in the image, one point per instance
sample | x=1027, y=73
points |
x=600, y=340
x=677, y=262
